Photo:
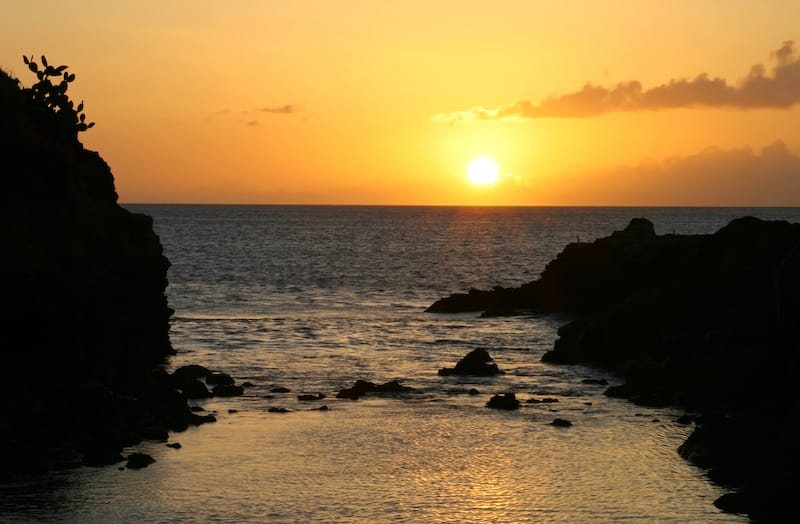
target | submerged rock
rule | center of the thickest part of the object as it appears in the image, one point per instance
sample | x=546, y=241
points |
x=476, y=363
x=307, y=398
x=561, y=423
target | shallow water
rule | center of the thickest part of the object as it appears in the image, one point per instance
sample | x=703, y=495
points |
x=313, y=298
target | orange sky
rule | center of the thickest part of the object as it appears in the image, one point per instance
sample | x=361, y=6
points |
x=386, y=102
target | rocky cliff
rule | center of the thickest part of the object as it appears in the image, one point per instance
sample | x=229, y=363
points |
x=84, y=324
x=710, y=323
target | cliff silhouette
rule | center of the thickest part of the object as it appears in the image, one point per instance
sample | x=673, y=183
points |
x=708, y=323
x=84, y=329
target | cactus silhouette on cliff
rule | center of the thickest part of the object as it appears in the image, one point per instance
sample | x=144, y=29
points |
x=51, y=91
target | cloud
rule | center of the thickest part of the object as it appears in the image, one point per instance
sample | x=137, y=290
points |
x=778, y=88
x=286, y=109
x=712, y=177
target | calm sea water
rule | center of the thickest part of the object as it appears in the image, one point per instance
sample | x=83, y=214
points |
x=313, y=298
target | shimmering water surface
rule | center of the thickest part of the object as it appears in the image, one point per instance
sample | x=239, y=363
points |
x=313, y=298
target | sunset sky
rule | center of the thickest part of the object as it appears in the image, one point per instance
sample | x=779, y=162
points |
x=387, y=102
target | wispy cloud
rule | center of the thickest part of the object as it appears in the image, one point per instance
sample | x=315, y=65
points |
x=776, y=88
x=286, y=109
x=245, y=116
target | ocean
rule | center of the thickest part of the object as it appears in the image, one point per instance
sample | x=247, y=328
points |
x=312, y=298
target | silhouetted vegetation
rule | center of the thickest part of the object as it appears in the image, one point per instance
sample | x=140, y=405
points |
x=51, y=92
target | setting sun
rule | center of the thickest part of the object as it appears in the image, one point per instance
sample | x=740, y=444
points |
x=483, y=171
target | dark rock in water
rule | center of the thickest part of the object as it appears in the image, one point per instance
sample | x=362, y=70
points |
x=463, y=391
x=139, y=461
x=362, y=387
x=474, y=300
x=321, y=408
x=358, y=389
x=247, y=384
x=561, y=423
x=197, y=408
x=278, y=410
x=188, y=373
x=476, y=363
x=595, y=381
x=684, y=419
x=499, y=312
x=194, y=389
x=393, y=386
x=221, y=379
x=227, y=390
x=174, y=445
x=280, y=390
x=318, y=396
x=203, y=419
x=506, y=401
x=233, y=411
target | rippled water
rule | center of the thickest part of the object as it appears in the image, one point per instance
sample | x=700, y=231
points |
x=313, y=298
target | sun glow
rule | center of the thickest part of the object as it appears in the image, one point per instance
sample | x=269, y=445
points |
x=483, y=171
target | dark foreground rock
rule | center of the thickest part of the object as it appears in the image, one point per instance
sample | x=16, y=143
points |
x=84, y=333
x=708, y=323
x=477, y=363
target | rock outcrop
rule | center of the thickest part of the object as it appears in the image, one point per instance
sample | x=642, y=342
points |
x=710, y=323
x=505, y=401
x=84, y=330
x=362, y=387
x=476, y=363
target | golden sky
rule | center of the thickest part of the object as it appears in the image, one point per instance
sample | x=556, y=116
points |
x=386, y=102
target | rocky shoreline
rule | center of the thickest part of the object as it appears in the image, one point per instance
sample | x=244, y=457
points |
x=85, y=326
x=707, y=323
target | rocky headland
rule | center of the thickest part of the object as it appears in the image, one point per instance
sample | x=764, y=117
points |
x=708, y=323
x=84, y=330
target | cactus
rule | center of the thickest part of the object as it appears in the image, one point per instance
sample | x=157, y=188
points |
x=54, y=95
